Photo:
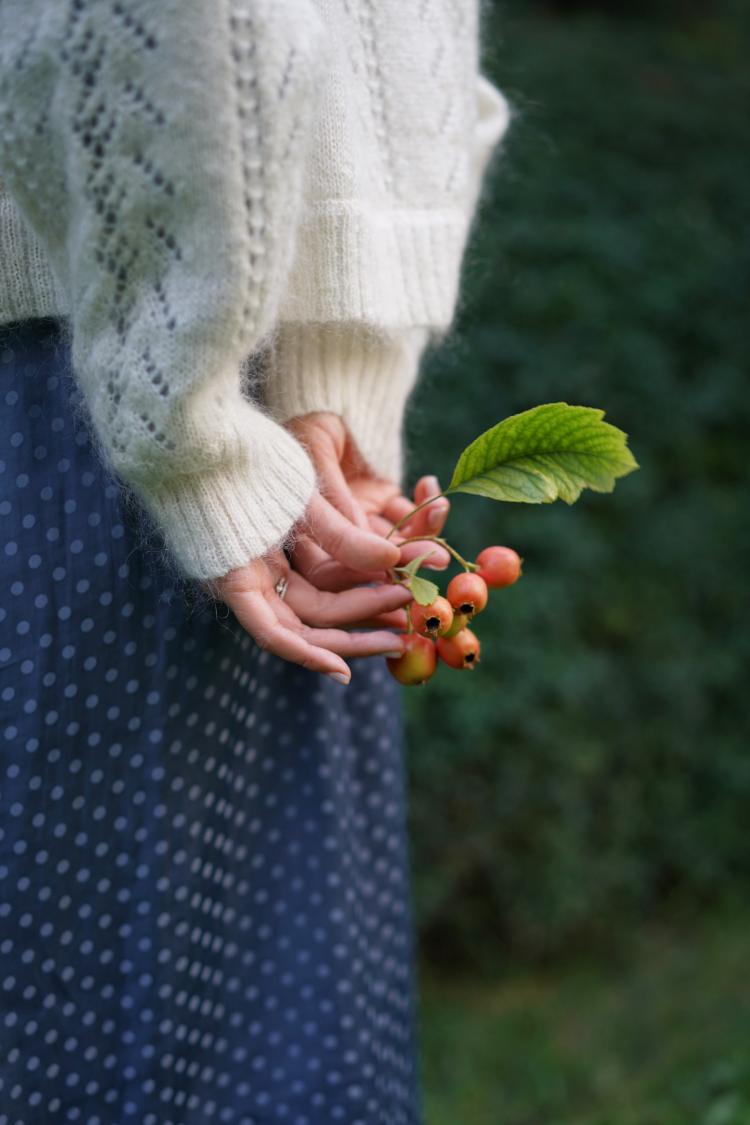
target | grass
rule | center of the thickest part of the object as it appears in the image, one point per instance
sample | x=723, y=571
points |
x=659, y=1038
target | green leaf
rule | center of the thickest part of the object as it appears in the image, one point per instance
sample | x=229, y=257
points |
x=423, y=592
x=412, y=567
x=548, y=453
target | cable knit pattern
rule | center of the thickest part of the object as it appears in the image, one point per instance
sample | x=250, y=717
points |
x=191, y=181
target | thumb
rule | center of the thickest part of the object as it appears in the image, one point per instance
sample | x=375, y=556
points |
x=349, y=544
x=334, y=486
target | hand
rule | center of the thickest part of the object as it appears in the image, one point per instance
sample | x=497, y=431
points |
x=307, y=626
x=367, y=501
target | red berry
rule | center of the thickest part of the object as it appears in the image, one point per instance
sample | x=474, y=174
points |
x=460, y=621
x=417, y=663
x=432, y=620
x=461, y=651
x=499, y=566
x=467, y=593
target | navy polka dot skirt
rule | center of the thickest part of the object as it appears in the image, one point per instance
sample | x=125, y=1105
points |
x=204, y=884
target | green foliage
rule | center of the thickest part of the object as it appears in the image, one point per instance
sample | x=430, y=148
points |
x=551, y=452
x=596, y=767
x=656, y=1038
x=423, y=591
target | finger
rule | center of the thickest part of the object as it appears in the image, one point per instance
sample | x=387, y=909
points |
x=397, y=620
x=334, y=487
x=380, y=643
x=381, y=527
x=320, y=608
x=397, y=508
x=355, y=547
x=325, y=441
x=373, y=493
x=394, y=619
x=323, y=572
x=353, y=645
x=430, y=520
x=255, y=615
x=438, y=558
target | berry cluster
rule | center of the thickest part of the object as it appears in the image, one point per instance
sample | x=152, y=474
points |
x=441, y=630
x=551, y=452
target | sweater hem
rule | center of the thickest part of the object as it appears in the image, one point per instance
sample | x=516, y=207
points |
x=395, y=269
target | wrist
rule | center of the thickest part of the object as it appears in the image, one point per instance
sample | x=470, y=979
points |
x=362, y=374
x=218, y=520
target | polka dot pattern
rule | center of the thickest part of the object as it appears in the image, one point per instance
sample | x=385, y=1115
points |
x=204, y=888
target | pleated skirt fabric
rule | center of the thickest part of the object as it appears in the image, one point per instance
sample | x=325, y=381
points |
x=204, y=873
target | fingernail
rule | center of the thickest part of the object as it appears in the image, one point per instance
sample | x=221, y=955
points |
x=340, y=678
x=393, y=655
x=433, y=484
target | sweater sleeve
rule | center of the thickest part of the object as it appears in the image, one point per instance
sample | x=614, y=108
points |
x=156, y=150
x=493, y=116
x=364, y=374
x=366, y=371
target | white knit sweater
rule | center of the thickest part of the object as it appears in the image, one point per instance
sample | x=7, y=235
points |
x=193, y=182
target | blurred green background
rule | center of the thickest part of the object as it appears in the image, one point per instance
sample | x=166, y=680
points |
x=581, y=803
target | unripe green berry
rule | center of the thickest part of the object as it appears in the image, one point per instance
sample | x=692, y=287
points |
x=460, y=621
x=461, y=651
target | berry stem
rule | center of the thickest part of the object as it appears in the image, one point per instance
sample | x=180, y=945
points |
x=470, y=566
x=413, y=513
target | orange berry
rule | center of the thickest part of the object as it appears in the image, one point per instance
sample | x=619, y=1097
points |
x=432, y=620
x=499, y=566
x=467, y=593
x=461, y=651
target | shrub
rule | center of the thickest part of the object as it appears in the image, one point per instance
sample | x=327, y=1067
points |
x=597, y=766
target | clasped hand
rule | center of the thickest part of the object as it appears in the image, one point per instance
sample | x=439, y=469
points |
x=337, y=565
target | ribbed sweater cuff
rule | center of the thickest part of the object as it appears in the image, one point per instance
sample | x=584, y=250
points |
x=217, y=521
x=363, y=374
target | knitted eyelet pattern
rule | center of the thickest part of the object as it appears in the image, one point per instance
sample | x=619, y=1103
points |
x=150, y=144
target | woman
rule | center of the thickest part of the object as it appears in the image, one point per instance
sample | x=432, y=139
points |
x=227, y=233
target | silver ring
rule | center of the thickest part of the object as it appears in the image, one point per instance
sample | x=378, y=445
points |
x=282, y=586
